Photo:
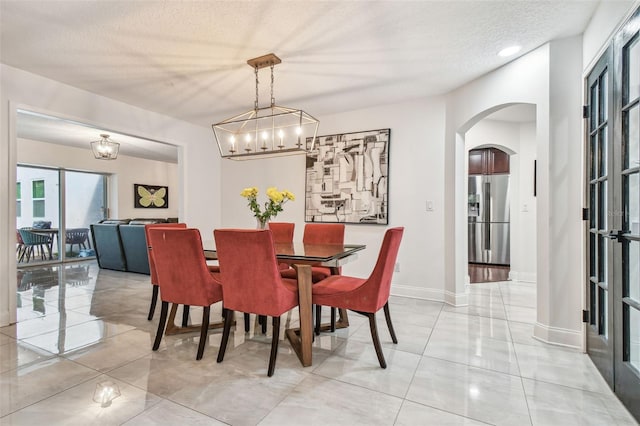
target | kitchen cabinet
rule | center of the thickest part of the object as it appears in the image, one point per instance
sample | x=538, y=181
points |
x=488, y=161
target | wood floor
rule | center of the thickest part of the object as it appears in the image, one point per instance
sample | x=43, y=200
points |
x=480, y=273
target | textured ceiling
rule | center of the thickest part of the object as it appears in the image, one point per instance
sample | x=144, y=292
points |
x=188, y=59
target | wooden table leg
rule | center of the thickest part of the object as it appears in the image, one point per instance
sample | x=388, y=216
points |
x=302, y=339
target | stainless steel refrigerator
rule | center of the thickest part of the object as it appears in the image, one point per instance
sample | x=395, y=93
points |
x=489, y=219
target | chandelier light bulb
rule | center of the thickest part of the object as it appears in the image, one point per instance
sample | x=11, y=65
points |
x=281, y=135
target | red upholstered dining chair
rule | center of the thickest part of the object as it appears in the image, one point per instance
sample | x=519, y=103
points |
x=365, y=296
x=154, y=275
x=152, y=263
x=282, y=233
x=321, y=233
x=183, y=276
x=251, y=281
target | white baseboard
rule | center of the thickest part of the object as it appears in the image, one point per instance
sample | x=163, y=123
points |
x=418, y=292
x=525, y=277
x=437, y=295
x=4, y=318
x=456, y=299
x=558, y=336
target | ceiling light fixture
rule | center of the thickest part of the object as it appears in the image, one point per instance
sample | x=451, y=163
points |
x=509, y=51
x=104, y=149
x=268, y=131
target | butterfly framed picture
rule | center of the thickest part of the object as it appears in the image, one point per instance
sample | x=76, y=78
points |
x=150, y=196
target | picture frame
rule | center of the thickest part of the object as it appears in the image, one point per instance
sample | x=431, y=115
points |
x=150, y=196
x=347, y=178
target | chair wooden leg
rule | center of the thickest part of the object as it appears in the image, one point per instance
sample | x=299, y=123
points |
x=228, y=319
x=387, y=316
x=318, y=318
x=185, y=316
x=154, y=299
x=247, y=323
x=204, y=331
x=376, y=340
x=333, y=319
x=161, y=324
x=274, y=346
x=262, y=320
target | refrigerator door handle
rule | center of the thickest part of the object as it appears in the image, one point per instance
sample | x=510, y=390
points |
x=487, y=215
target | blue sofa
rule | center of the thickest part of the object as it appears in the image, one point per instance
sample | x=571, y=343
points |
x=121, y=245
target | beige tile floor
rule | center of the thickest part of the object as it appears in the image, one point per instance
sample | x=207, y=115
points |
x=80, y=326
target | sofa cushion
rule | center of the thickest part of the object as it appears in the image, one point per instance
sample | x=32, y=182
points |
x=134, y=244
x=108, y=246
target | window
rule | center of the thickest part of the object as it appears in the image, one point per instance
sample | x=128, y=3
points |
x=18, y=199
x=38, y=198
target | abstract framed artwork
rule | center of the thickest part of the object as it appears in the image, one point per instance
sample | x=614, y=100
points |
x=347, y=178
x=150, y=196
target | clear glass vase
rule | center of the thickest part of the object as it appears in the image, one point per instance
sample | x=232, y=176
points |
x=262, y=224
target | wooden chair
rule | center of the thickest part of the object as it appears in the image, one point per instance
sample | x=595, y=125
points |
x=183, y=276
x=365, y=296
x=251, y=282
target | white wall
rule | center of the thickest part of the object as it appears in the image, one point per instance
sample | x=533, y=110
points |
x=519, y=139
x=524, y=80
x=550, y=78
x=527, y=209
x=416, y=175
x=604, y=23
x=125, y=171
x=198, y=189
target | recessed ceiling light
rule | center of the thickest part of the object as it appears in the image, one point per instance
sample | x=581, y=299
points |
x=508, y=51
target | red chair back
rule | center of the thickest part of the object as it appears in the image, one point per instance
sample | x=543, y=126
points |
x=379, y=282
x=323, y=233
x=282, y=231
x=152, y=263
x=249, y=273
x=181, y=267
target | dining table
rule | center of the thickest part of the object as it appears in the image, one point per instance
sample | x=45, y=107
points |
x=302, y=257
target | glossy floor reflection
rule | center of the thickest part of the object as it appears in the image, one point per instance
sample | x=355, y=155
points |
x=80, y=326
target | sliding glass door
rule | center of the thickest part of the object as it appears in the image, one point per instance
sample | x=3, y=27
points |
x=85, y=203
x=54, y=211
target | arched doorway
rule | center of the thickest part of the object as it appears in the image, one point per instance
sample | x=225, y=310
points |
x=511, y=132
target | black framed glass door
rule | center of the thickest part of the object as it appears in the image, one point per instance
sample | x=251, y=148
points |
x=600, y=345
x=613, y=187
x=627, y=231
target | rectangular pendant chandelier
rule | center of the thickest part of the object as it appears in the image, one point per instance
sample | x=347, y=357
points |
x=268, y=131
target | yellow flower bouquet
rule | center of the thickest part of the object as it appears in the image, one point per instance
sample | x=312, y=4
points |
x=271, y=207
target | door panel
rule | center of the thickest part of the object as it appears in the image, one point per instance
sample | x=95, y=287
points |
x=476, y=240
x=626, y=221
x=499, y=198
x=498, y=252
x=600, y=346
